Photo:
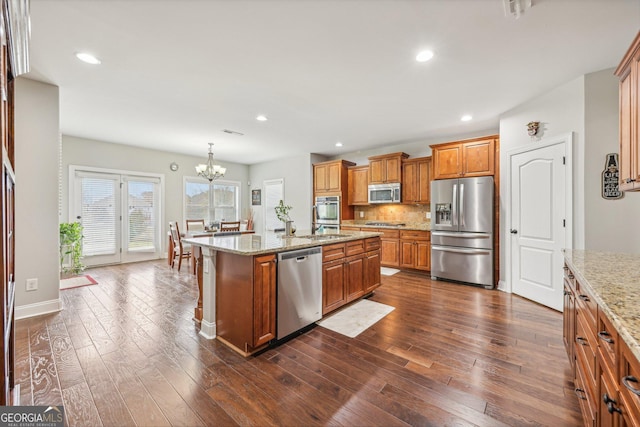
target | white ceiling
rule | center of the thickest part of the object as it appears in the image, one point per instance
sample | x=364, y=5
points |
x=175, y=73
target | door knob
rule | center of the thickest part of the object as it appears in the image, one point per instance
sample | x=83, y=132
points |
x=513, y=231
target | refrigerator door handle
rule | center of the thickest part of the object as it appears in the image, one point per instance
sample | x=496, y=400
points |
x=460, y=250
x=454, y=208
x=461, y=235
x=462, y=224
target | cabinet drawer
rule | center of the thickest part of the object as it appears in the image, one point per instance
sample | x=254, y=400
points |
x=585, y=398
x=629, y=381
x=333, y=252
x=607, y=341
x=585, y=302
x=354, y=247
x=569, y=277
x=388, y=234
x=372, y=244
x=415, y=234
x=586, y=348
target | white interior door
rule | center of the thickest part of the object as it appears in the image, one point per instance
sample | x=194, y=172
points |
x=273, y=193
x=539, y=219
x=120, y=216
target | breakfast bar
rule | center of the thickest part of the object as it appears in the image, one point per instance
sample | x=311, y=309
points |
x=237, y=277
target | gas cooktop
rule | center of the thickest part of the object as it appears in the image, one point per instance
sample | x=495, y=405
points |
x=384, y=224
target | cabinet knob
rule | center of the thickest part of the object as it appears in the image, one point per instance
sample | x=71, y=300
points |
x=610, y=404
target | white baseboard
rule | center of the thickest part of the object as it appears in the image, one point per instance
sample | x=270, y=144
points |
x=39, y=308
x=207, y=329
x=502, y=286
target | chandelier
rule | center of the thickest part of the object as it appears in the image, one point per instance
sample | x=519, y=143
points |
x=210, y=171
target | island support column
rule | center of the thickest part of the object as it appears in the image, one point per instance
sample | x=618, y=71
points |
x=205, y=311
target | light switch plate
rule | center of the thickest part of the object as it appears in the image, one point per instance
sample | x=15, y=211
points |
x=428, y=215
x=32, y=285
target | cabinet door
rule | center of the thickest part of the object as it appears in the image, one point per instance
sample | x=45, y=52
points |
x=608, y=399
x=333, y=290
x=377, y=171
x=447, y=162
x=407, y=253
x=354, y=277
x=358, y=186
x=390, y=252
x=569, y=323
x=393, y=169
x=423, y=182
x=423, y=255
x=478, y=158
x=410, y=182
x=320, y=178
x=371, y=271
x=333, y=177
x=264, y=299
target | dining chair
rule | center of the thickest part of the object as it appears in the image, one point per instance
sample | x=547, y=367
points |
x=230, y=226
x=180, y=250
x=195, y=225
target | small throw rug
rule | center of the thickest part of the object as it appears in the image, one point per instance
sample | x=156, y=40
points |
x=77, y=281
x=356, y=318
x=386, y=271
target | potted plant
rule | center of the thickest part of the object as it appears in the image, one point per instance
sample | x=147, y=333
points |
x=71, y=248
x=282, y=212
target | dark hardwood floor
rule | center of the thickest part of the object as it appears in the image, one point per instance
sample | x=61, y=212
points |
x=126, y=352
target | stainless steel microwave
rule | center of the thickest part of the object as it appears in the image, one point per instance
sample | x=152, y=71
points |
x=384, y=193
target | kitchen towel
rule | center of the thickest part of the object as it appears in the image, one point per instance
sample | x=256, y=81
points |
x=77, y=281
x=356, y=318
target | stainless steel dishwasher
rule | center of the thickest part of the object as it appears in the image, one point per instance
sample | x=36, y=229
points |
x=299, y=289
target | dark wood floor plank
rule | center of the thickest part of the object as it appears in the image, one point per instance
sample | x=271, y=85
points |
x=126, y=352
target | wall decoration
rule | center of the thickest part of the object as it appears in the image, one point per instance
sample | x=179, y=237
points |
x=611, y=178
x=532, y=128
x=174, y=166
x=256, y=197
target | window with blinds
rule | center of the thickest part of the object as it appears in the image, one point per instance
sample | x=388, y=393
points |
x=213, y=202
x=99, y=205
x=142, y=214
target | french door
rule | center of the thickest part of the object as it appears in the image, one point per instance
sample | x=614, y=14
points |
x=120, y=216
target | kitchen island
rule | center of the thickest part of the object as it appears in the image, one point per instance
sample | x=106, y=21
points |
x=602, y=333
x=237, y=280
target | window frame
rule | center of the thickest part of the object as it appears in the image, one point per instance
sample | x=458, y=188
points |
x=211, y=206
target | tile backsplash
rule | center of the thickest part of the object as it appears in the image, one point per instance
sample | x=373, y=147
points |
x=393, y=212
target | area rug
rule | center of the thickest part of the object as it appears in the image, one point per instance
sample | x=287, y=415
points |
x=386, y=271
x=77, y=281
x=356, y=318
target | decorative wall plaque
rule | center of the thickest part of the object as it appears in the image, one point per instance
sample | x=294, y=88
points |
x=611, y=178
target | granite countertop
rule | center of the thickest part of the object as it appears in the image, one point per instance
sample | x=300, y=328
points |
x=614, y=280
x=395, y=225
x=255, y=244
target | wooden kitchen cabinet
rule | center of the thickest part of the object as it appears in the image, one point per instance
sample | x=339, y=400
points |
x=330, y=178
x=349, y=270
x=629, y=111
x=415, y=249
x=389, y=247
x=468, y=158
x=247, y=284
x=386, y=168
x=358, y=177
x=416, y=180
x=569, y=317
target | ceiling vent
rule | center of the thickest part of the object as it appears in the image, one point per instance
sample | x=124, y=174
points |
x=232, y=132
x=515, y=8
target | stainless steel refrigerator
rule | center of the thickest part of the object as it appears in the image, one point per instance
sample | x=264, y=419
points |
x=462, y=230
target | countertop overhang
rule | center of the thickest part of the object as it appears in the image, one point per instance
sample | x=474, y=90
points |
x=614, y=280
x=257, y=244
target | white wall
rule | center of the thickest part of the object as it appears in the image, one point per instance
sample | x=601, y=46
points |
x=609, y=224
x=86, y=152
x=298, y=187
x=36, y=224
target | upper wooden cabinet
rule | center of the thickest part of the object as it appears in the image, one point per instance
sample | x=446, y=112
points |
x=629, y=73
x=416, y=180
x=358, y=185
x=472, y=157
x=330, y=178
x=386, y=168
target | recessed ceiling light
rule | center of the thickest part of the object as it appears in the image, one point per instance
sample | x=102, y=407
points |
x=424, y=56
x=88, y=58
x=466, y=118
x=261, y=118
x=338, y=144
